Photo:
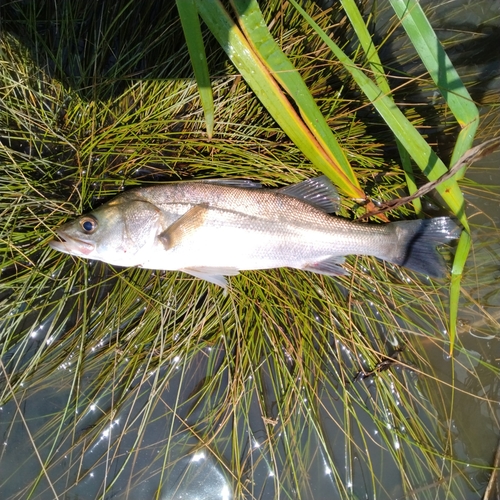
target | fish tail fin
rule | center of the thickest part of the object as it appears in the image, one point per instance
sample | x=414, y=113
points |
x=417, y=241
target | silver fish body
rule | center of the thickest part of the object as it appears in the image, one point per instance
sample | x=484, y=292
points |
x=212, y=230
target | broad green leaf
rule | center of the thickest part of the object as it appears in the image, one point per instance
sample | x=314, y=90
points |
x=253, y=25
x=452, y=89
x=194, y=40
x=463, y=248
x=268, y=90
x=371, y=54
x=423, y=155
x=442, y=72
x=437, y=62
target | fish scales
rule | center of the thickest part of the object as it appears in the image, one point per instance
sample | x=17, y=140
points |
x=300, y=233
x=211, y=230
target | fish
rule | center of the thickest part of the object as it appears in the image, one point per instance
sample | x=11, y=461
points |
x=215, y=229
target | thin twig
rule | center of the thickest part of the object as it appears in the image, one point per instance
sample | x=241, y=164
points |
x=493, y=489
x=469, y=157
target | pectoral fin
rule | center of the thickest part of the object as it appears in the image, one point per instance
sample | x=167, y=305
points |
x=212, y=274
x=184, y=226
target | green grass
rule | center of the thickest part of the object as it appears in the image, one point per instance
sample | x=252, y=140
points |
x=286, y=383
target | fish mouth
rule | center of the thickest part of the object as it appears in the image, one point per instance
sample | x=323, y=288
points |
x=70, y=245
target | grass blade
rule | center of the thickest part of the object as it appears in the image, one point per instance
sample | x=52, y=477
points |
x=371, y=54
x=194, y=40
x=440, y=67
x=268, y=90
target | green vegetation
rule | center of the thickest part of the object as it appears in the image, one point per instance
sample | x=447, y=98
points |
x=291, y=383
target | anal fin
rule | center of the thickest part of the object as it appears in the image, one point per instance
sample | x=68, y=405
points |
x=331, y=266
x=214, y=275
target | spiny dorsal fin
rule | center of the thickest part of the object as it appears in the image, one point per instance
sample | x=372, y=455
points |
x=318, y=192
x=239, y=183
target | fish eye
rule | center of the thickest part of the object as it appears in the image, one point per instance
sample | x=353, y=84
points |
x=89, y=224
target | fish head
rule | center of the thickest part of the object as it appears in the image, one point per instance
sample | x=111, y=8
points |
x=116, y=233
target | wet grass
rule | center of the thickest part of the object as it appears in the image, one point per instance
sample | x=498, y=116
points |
x=126, y=382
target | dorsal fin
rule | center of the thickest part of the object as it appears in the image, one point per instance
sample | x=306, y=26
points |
x=318, y=192
x=239, y=183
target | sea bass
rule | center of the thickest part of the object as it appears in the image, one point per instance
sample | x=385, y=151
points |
x=215, y=229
